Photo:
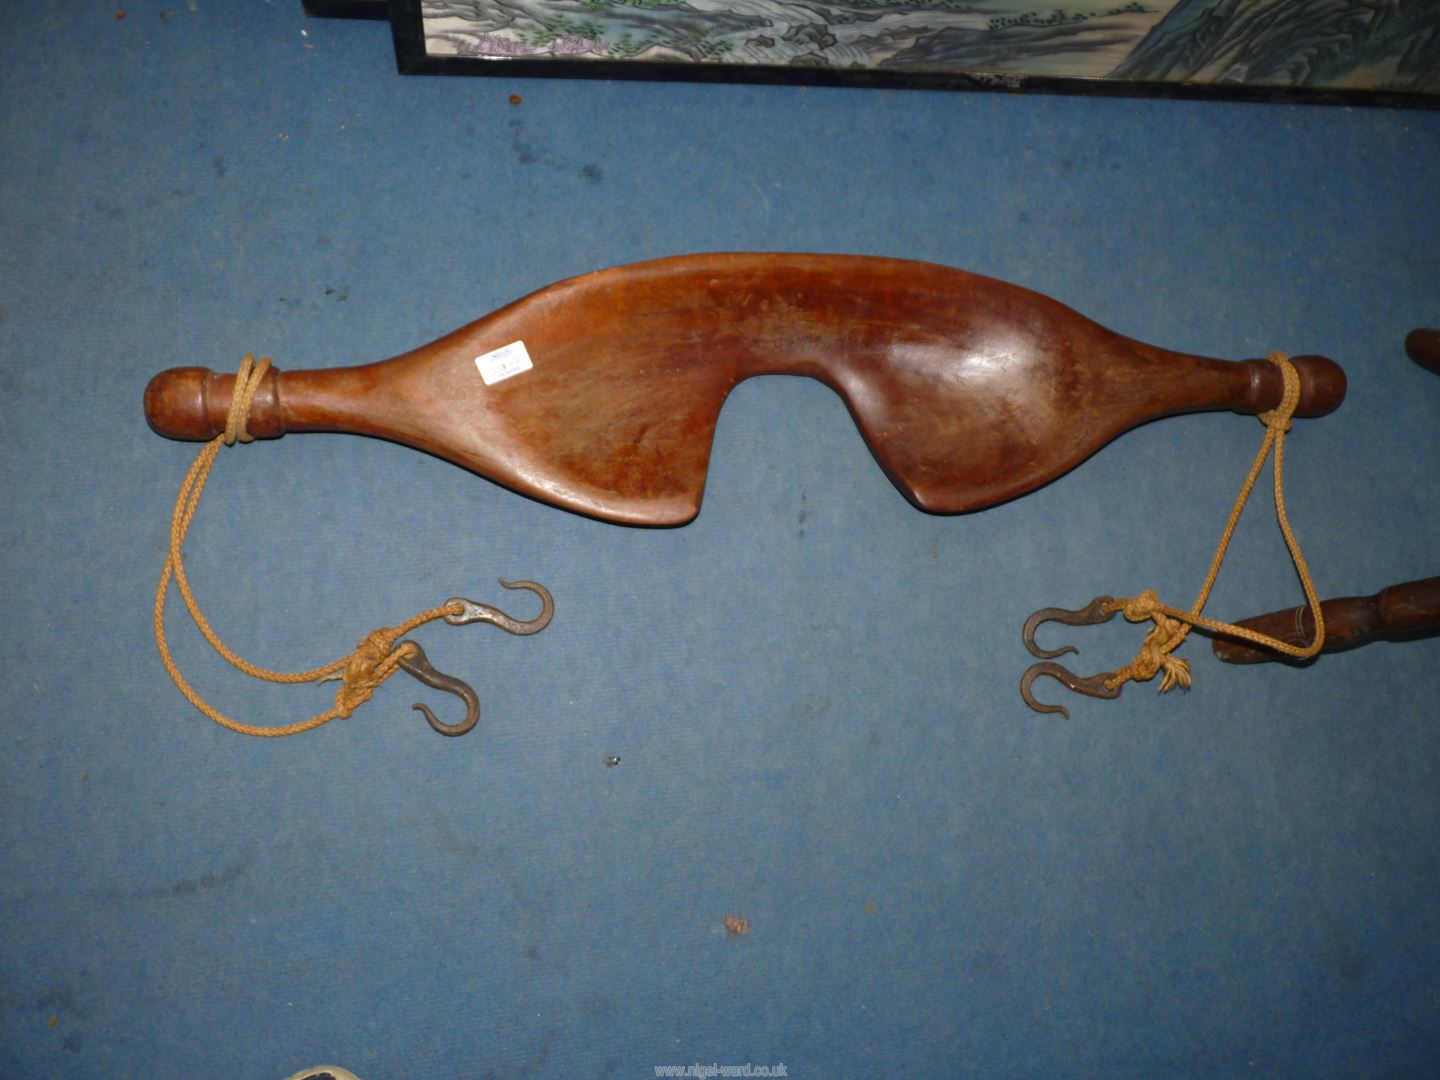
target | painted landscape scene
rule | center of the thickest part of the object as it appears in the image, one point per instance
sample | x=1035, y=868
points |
x=1391, y=45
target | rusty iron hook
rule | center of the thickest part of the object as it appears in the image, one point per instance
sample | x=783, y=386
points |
x=1092, y=614
x=1099, y=610
x=1089, y=685
x=418, y=664
x=475, y=612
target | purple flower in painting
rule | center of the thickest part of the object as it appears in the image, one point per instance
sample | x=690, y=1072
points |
x=573, y=44
x=495, y=45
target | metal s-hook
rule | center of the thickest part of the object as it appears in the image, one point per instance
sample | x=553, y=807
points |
x=418, y=664
x=1091, y=686
x=1099, y=610
x=1092, y=614
x=475, y=612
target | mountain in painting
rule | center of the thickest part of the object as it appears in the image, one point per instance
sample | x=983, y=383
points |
x=1369, y=44
x=1075, y=41
x=1052, y=37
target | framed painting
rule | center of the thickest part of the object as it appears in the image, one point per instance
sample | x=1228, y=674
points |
x=1341, y=51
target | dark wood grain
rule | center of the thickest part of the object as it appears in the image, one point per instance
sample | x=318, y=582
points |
x=1399, y=611
x=968, y=390
x=1423, y=345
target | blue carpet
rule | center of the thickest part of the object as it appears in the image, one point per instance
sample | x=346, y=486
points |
x=811, y=688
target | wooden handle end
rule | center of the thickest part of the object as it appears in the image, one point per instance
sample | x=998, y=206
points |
x=175, y=404
x=1423, y=345
x=192, y=403
x=1322, y=385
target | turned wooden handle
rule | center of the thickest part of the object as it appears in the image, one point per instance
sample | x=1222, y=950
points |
x=1423, y=345
x=192, y=403
x=1350, y=621
x=968, y=390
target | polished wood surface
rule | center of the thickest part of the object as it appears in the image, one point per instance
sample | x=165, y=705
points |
x=969, y=391
x=1399, y=611
x=1423, y=345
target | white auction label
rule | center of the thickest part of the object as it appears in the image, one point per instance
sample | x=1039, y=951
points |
x=499, y=364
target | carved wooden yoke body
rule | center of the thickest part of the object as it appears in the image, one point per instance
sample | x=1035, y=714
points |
x=968, y=390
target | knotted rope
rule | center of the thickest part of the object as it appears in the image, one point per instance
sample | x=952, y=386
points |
x=1173, y=625
x=375, y=658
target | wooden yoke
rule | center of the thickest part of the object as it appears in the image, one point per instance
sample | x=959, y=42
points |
x=968, y=390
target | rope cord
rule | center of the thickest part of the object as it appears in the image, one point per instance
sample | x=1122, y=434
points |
x=1173, y=625
x=360, y=672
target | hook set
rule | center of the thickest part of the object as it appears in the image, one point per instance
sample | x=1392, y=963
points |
x=418, y=664
x=1100, y=610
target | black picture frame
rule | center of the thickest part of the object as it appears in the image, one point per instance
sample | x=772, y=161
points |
x=347, y=9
